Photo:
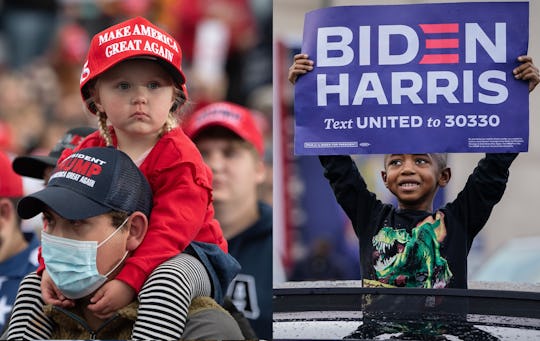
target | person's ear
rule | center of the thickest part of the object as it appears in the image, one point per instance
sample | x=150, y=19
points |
x=98, y=105
x=94, y=95
x=260, y=171
x=444, y=177
x=138, y=225
x=7, y=210
x=384, y=177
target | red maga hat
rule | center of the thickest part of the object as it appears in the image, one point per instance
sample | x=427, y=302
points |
x=10, y=182
x=133, y=38
x=231, y=116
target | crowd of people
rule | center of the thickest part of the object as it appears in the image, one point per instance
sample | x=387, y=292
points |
x=40, y=66
x=46, y=127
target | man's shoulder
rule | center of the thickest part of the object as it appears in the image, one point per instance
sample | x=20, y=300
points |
x=208, y=320
x=203, y=302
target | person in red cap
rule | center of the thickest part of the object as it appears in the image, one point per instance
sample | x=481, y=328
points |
x=17, y=249
x=232, y=145
x=133, y=82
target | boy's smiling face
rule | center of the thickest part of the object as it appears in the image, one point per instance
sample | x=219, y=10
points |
x=414, y=179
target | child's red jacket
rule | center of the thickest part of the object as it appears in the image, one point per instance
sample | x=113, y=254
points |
x=182, y=207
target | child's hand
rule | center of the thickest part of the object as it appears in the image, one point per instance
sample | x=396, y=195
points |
x=527, y=71
x=51, y=294
x=110, y=298
x=300, y=66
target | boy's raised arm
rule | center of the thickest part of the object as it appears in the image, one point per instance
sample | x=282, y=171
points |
x=349, y=187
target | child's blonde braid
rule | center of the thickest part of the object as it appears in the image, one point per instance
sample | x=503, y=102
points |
x=169, y=125
x=103, y=129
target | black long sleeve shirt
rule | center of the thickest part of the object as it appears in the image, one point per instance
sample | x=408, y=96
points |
x=417, y=248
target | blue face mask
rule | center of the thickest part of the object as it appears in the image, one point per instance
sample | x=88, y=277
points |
x=72, y=264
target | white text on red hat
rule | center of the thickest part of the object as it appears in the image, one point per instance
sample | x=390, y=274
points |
x=138, y=30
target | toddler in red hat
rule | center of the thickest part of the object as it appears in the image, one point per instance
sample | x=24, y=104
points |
x=133, y=82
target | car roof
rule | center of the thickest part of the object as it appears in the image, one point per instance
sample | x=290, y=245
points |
x=343, y=309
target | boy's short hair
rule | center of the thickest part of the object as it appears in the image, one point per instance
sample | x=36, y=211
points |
x=217, y=132
x=91, y=182
x=441, y=159
x=230, y=116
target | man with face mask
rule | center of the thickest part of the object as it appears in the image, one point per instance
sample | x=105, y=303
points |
x=96, y=208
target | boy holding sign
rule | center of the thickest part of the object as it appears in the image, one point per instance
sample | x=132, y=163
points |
x=412, y=245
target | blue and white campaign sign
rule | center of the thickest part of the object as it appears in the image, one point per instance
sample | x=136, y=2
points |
x=413, y=79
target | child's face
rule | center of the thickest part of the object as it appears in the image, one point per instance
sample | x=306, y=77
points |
x=414, y=179
x=136, y=95
x=97, y=229
x=237, y=169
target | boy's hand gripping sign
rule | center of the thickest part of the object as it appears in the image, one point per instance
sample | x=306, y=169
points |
x=413, y=79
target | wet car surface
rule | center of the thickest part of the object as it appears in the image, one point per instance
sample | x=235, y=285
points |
x=345, y=310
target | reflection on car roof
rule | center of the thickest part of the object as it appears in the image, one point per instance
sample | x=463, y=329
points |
x=343, y=309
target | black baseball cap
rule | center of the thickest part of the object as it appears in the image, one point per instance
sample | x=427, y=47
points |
x=34, y=165
x=91, y=182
